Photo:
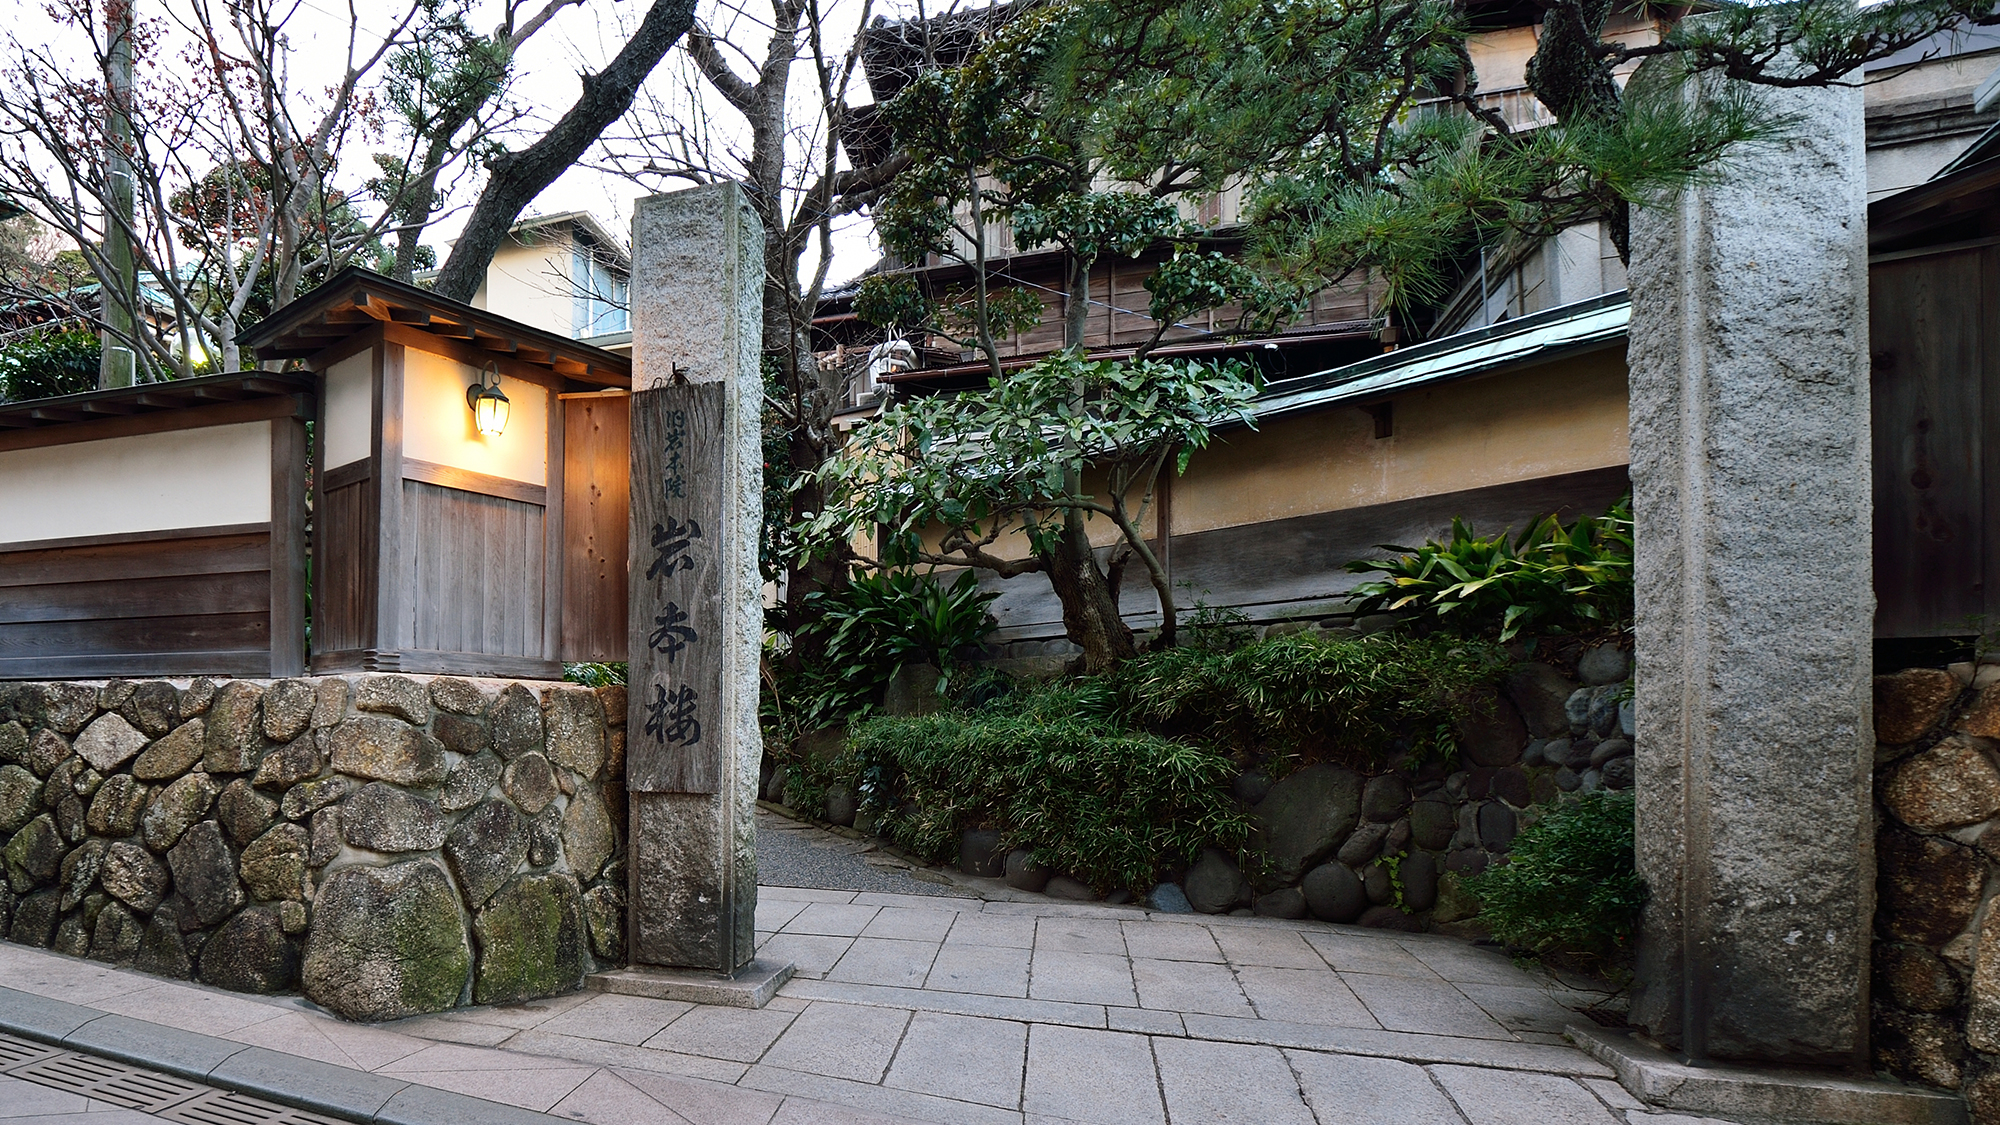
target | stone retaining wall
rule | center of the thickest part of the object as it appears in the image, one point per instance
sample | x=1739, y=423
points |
x=390, y=845
x=1936, y=994
x=1388, y=850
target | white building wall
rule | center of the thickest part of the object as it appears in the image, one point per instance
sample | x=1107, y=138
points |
x=208, y=477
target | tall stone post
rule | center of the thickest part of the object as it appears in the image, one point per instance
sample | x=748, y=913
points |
x=693, y=743
x=1751, y=495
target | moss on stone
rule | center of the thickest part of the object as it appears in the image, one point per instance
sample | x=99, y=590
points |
x=531, y=940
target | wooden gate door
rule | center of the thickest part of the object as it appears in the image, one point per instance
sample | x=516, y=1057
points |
x=597, y=502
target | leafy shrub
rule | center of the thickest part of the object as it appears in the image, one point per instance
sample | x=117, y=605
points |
x=1571, y=883
x=1107, y=777
x=592, y=674
x=1052, y=772
x=1552, y=578
x=892, y=618
x=49, y=362
x=1357, y=701
x=871, y=628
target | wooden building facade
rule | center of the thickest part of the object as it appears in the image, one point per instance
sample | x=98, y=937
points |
x=1934, y=343
x=441, y=548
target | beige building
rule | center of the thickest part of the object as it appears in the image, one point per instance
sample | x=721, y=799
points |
x=567, y=274
x=1513, y=405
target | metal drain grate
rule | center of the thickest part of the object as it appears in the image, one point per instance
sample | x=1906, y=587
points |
x=226, y=1107
x=14, y=1052
x=149, y=1091
x=107, y=1081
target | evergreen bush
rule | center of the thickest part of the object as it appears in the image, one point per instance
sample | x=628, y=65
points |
x=1571, y=883
x=49, y=362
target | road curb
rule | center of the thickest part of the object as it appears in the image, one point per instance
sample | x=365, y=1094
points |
x=290, y=1080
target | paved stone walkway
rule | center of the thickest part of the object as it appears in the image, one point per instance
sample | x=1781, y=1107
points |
x=967, y=1011
x=792, y=853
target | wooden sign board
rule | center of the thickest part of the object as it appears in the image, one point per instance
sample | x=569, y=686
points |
x=675, y=727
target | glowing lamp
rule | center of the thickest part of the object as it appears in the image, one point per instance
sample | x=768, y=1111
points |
x=489, y=405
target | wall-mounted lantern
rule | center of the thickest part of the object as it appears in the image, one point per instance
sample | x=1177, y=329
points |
x=489, y=405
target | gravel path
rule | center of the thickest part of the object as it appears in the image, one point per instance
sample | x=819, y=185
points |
x=791, y=854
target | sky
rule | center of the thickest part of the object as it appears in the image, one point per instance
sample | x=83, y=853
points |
x=584, y=37
x=581, y=38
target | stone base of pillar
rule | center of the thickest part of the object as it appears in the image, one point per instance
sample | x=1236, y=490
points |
x=1659, y=1079
x=751, y=986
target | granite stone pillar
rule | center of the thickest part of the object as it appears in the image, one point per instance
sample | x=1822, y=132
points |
x=693, y=741
x=1751, y=493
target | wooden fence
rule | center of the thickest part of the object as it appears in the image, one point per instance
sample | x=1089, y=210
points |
x=155, y=531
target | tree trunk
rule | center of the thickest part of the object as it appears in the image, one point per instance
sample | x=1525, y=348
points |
x=518, y=177
x=1089, y=604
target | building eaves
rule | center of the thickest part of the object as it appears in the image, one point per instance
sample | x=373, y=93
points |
x=1599, y=322
x=148, y=398
x=597, y=231
x=354, y=298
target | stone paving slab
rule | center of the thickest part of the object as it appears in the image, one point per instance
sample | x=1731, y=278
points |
x=911, y=1008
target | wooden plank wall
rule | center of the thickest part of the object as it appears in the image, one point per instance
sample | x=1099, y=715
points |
x=475, y=563
x=344, y=554
x=1118, y=315
x=177, y=603
x=596, y=506
x=1934, y=339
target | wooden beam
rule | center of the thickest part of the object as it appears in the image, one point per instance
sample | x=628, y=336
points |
x=471, y=356
x=57, y=414
x=219, y=394
x=418, y=317
x=161, y=421
x=465, y=480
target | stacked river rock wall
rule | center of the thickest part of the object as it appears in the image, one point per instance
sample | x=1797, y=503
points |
x=388, y=844
x=1388, y=850
x=1936, y=994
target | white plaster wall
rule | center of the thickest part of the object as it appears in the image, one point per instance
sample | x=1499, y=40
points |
x=206, y=477
x=530, y=282
x=437, y=425
x=349, y=409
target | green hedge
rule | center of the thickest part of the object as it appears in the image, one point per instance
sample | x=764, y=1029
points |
x=1363, y=702
x=1106, y=805
x=1112, y=778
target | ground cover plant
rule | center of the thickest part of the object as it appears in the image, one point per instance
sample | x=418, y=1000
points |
x=861, y=635
x=1571, y=883
x=1051, y=768
x=1117, y=779
x=1363, y=702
